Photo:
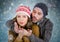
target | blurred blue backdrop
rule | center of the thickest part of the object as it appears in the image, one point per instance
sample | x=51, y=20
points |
x=7, y=12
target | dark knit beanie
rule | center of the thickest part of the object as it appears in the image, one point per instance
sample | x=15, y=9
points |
x=43, y=7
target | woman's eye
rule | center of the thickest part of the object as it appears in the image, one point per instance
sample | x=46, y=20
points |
x=18, y=16
x=24, y=16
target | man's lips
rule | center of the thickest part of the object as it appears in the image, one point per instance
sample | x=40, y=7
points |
x=34, y=18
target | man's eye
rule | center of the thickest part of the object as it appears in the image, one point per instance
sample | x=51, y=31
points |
x=39, y=13
x=34, y=11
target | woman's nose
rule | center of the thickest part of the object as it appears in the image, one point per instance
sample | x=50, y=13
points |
x=21, y=19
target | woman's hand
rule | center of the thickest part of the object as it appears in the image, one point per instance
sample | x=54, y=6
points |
x=20, y=35
x=22, y=31
x=16, y=28
x=27, y=32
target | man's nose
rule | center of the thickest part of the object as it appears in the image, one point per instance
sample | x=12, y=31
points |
x=35, y=15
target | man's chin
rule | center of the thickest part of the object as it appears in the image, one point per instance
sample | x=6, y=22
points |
x=34, y=21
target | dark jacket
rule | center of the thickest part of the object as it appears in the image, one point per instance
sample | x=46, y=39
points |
x=46, y=27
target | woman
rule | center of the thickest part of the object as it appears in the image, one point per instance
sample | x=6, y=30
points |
x=20, y=22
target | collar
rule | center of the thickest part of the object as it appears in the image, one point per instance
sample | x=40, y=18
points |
x=40, y=22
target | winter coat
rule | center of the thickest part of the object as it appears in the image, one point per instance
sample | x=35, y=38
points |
x=45, y=27
x=12, y=36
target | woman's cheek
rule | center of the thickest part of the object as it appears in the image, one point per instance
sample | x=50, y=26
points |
x=25, y=20
x=18, y=20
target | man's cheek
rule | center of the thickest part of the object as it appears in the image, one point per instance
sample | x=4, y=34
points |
x=32, y=14
x=37, y=17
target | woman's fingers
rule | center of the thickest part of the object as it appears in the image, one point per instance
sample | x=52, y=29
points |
x=20, y=28
x=15, y=27
x=25, y=32
x=29, y=30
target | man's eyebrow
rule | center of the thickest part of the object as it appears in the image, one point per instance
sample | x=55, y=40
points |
x=33, y=10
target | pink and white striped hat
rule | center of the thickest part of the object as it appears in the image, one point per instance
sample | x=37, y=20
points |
x=24, y=9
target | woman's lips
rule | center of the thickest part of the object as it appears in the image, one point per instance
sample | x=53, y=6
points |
x=21, y=22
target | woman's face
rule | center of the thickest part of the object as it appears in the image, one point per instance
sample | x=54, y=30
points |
x=22, y=19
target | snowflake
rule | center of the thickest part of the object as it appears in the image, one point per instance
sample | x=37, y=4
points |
x=12, y=4
x=4, y=3
x=9, y=8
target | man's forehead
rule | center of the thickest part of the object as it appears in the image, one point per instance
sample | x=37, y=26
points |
x=37, y=9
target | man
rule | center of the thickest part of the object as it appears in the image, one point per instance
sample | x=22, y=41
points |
x=39, y=13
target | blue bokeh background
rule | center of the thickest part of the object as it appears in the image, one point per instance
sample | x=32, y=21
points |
x=7, y=12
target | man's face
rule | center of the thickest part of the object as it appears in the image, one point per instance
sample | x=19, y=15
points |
x=37, y=14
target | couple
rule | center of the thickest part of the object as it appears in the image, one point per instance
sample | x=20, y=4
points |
x=30, y=26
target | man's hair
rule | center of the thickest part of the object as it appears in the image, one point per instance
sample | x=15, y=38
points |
x=43, y=7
